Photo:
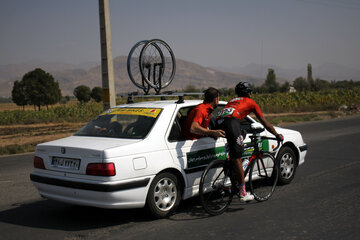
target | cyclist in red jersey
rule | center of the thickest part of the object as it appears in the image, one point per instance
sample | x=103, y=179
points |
x=198, y=120
x=229, y=120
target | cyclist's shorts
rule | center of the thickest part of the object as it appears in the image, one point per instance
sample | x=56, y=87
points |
x=235, y=140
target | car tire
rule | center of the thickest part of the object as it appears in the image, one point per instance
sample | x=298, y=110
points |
x=164, y=195
x=287, y=163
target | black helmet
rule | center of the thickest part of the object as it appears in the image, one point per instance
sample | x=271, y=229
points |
x=243, y=89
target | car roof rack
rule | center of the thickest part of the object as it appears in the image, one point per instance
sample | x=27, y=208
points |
x=163, y=96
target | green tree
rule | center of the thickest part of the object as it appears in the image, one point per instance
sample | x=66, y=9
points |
x=54, y=94
x=270, y=84
x=300, y=84
x=260, y=89
x=227, y=92
x=18, y=94
x=284, y=87
x=310, y=80
x=82, y=93
x=320, y=84
x=65, y=100
x=41, y=88
x=97, y=94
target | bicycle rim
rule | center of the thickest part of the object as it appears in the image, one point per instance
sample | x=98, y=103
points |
x=263, y=177
x=215, y=188
x=133, y=66
x=158, y=51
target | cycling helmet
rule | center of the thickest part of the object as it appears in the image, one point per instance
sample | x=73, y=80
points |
x=243, y=89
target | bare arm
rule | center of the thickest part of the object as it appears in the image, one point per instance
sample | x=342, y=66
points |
x=268, y=125
x=196, y=128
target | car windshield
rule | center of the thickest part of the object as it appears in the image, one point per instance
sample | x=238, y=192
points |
x=132, y=123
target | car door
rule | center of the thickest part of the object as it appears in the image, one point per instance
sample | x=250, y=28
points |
x=192, y=156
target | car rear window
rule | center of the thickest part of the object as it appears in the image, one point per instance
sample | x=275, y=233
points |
x=131, y=123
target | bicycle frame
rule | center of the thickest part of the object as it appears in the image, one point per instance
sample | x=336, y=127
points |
x=218, y=188
x=257, y=153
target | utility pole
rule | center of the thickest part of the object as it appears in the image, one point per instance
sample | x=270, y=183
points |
x=107, y=67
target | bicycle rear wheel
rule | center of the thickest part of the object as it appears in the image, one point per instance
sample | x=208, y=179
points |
x=263, y=177
x=215, y=187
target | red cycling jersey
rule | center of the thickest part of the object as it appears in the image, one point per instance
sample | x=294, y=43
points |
x=201, y=114
x=240, y=107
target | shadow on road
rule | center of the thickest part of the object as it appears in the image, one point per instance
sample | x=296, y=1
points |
x=49, y=214
x=192, y=209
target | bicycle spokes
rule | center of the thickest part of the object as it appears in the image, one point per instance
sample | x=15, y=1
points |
x=263, y=177
x=215, y=188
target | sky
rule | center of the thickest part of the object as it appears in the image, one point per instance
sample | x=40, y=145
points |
x=212, y=33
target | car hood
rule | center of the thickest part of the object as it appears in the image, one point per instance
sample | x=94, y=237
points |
x=285, y=131
x=291, y=136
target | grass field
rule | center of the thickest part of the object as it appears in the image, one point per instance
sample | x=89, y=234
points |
x=13, y=106
x=24, y=138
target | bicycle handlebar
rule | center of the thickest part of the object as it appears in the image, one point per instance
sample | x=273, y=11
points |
x=253, y=142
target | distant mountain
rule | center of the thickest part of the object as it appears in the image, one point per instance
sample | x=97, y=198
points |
x=12, y=71
x=70, y=76
x=327, y=71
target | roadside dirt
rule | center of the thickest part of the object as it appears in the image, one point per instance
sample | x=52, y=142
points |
x=33, y=134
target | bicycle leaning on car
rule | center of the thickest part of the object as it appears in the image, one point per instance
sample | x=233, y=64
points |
x=218, y=181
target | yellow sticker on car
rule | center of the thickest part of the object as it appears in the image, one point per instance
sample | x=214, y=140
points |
x=148, y=112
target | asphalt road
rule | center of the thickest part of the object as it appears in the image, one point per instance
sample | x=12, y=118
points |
x=322, y=202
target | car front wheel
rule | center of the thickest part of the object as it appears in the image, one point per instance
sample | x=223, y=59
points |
x=287, y=165
x=164, y=195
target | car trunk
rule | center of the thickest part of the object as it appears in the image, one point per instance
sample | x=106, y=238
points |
x=73, y=154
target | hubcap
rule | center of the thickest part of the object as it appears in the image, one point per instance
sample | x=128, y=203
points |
x=165, y=194
x=287, y=166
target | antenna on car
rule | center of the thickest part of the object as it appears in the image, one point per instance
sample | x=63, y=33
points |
x=181, y=100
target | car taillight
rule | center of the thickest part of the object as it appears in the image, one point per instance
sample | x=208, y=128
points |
x=39, y=162
x=101, y=169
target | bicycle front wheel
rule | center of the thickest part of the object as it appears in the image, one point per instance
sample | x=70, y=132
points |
x=263, y=177
x=215, y=187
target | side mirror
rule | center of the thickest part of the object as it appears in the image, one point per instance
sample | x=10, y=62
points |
x=257, y=127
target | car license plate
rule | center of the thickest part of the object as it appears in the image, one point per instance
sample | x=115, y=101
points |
x=66, y=163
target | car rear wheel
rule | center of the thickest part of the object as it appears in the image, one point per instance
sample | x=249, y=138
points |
x=164, y=195
x=287, y=165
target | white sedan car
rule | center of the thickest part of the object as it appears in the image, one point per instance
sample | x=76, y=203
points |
x=134, y=155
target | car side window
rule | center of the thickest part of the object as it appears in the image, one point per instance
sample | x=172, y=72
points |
x=175, y=133
x=176, y=129
x=178, y=124
x=214, y=115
